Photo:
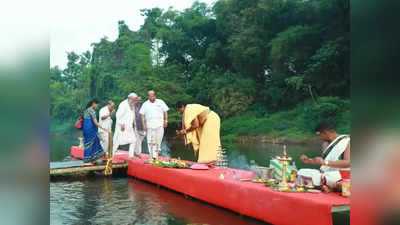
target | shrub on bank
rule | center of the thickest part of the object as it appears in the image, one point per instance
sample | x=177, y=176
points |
x=297, y=122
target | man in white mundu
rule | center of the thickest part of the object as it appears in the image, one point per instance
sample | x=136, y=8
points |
x=154, y=118
x=139, y=129
x=335, y=158
x=124, y=127
x=105, y=114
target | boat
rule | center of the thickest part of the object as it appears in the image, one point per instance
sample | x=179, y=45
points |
x=227, y=191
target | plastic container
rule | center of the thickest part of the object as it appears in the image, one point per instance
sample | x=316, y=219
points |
x=346, y=188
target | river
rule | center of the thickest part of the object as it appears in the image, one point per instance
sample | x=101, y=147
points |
x=124, y=200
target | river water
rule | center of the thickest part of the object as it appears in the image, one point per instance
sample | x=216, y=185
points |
x=124, y=200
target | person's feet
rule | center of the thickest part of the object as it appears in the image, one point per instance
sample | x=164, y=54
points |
x=326, y=189
x=94, y=163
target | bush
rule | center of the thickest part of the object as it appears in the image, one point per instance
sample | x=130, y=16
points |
x=297, y=122
x=330, y=109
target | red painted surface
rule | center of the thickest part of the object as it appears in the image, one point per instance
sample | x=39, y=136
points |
x=76, y=152
x=251, y=199
x=120, y=156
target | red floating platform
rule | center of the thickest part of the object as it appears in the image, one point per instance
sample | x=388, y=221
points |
x=250, y=199
x=247, y=198
x=119, y=157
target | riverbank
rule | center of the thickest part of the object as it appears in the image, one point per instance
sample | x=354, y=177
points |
x=277, y=140
x=294, y=126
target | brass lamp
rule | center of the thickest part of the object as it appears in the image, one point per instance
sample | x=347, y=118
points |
x=285, y=160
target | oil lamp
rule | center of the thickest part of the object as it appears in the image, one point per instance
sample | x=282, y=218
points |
x=284, y=159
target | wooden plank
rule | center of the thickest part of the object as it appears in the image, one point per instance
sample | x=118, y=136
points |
x=340, y=208
x=69, y=164
x=85, y=169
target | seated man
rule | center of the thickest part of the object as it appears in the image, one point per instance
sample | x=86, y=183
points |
x=335, y=160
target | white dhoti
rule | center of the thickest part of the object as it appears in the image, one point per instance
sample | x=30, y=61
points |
x=136, y=148
x=125, y=116
x=107, y=124
x=123, y=138
x=154, y=139
x=104, y=141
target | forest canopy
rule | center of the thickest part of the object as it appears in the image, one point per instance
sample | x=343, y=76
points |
x=261, y=56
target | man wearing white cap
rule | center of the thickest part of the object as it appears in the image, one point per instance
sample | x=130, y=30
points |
x=124, y=127
x=154, y=119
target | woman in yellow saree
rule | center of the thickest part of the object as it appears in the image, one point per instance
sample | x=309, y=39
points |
x=201, y=126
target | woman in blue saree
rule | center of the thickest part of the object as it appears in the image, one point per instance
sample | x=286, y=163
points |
x=93, y=149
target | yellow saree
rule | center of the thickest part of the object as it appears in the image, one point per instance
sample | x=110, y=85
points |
x=205, y=139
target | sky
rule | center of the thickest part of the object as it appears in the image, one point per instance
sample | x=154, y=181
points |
x=75, y=24
x=24, y=31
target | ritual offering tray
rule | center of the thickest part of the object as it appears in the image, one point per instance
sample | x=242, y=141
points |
x=271, y=183
x=292, y=187
x=274, y=185
x=199, y=166
x=245, y=179
x=173, y=163
x=314, y=191
x=291, y=190
x=258, y=180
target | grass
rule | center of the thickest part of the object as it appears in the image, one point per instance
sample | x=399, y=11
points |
x=297, y=123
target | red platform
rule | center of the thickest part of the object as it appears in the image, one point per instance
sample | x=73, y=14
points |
x=250, y=199
x=119, y=157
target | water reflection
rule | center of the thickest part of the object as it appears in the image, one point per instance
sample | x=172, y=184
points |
x=99, y=200
x=186, y=211
x=247, y=156
x=102, y=200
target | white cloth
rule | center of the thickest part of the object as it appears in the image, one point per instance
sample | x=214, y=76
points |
x=124, y=116
x=136, y=148
x=132, y=95
x=313, y=173
x=336, y=152
x=154, y=113
x=154, y=139
x=332, y=177
x=107, y=124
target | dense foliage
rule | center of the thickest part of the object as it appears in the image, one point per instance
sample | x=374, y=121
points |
x=260, y=56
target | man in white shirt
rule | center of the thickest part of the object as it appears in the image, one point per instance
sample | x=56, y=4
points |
x=124, y=127
x=105, y=121
x=155, y=119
